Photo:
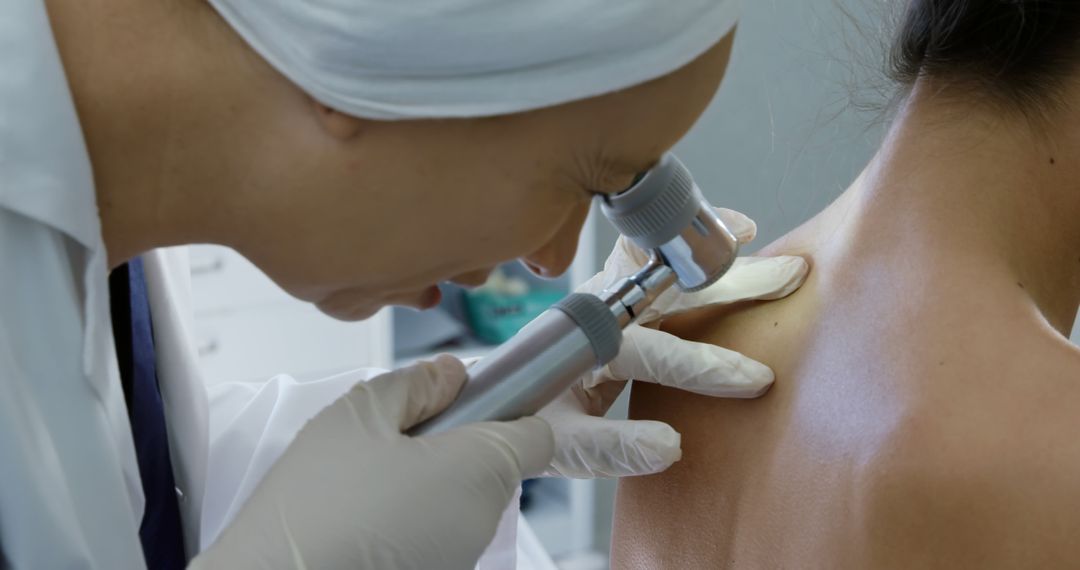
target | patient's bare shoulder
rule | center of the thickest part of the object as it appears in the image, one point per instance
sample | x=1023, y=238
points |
x=983, y=483
x=946, y=437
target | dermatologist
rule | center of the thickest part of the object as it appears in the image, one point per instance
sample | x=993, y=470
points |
x=359, y=152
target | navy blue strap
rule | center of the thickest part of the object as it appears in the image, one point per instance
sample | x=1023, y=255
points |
x=160, y=531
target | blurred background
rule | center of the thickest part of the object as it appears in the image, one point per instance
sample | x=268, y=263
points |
x=800, y=112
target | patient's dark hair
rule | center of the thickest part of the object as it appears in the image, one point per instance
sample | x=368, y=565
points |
x=1016, y=51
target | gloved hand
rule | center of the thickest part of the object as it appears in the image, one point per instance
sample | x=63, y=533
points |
x=588, y=445
x=352, y=492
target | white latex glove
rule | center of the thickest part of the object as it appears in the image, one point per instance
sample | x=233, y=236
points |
x=588, y=445
x=352, y=492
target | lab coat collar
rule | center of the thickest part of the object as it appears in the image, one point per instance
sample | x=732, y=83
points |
x=43, y=157
x=46, y=168
x=45, y=175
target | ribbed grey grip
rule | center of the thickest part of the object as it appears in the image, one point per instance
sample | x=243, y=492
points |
x=597, y=322
x=658, y=207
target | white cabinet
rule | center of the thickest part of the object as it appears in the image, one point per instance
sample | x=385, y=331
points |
x=223, y=280
x=247, y=328
x=261, y=341
x=1076, y=330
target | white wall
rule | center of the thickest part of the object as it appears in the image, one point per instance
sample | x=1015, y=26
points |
x=769, y=145
x=782, y=139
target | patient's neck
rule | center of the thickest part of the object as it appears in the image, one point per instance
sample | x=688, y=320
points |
x=990, y=197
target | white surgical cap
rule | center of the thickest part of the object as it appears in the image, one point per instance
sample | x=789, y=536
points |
x=402, y=59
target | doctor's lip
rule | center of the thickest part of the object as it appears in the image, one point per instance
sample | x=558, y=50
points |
x=472, y=279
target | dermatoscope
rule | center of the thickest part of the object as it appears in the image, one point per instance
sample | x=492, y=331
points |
x=663, y=213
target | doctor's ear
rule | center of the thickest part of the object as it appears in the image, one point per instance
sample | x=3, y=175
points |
x=337, y=124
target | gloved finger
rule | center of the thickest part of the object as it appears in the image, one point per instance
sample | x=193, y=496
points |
x=631, y=256
x=402, y=398
x=749, y=279
x=625, y=259
x=587, y=447
x=651, y=355
x=743, y=227
x=518, y=450
x=469, y=361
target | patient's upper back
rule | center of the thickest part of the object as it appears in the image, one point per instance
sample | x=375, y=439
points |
x=915, y=422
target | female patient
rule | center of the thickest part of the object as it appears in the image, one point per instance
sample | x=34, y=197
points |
x=927, y=409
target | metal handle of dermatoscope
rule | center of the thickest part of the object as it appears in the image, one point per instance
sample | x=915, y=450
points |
x=548, y=355
x=531, y=369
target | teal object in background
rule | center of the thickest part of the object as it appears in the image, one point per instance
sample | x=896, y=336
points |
x=496, y=317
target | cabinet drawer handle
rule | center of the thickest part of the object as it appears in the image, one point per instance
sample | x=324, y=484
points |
x=208, y=347
x=213, y=266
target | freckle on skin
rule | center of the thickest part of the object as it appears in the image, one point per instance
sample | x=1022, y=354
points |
x=776, y=323
x=1020, y=284
x=1051, y=160
x=942, y=363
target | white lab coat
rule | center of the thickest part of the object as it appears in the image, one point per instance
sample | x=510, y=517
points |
x=70, y=493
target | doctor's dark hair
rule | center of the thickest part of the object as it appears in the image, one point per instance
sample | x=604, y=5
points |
x=1017, y=52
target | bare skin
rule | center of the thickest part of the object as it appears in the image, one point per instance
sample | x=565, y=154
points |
x=924, y=414
x=194, y=138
